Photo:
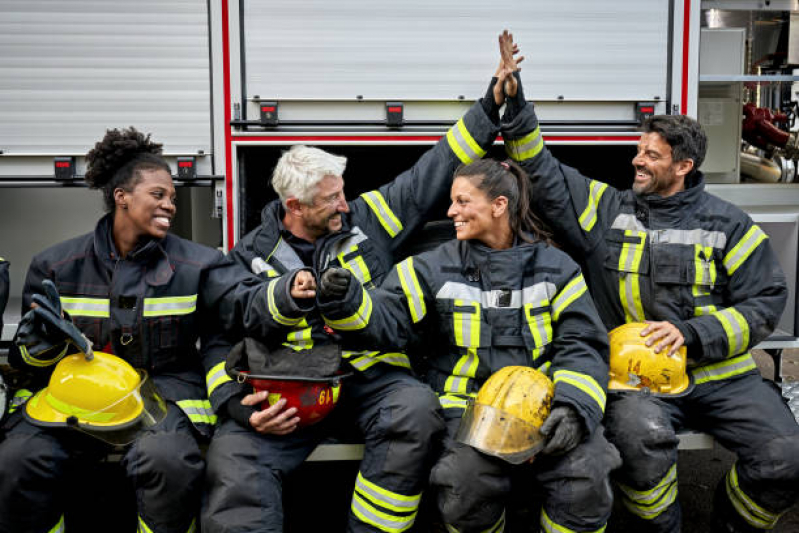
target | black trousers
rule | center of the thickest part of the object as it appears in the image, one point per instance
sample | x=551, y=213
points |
x=164, y=466
x=472, y=489
x=399, y=419
x=746, y=415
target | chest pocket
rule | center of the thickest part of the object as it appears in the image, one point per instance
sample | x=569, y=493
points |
x=90, y=314
x=165, y=319
x=628, y=255
x=538, y=332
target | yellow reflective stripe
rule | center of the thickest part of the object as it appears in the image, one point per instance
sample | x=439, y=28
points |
x=724, y=369
x=300, y=339
x=454, y=401
x=526, y=147
x=364, y=360
x=467, y=335
x=544, y=369
x=573, y=290
x=584, y=382
x=277, y=316
x=589, y=216
x=648, y=497
x=650, y=504
x=368, y=495
x=463, y=144
x=385, y=498
x=549, y=526
x=72, y=410
x=59, y=527
x=750, y=511
x=192, y=526
x=705, y=268
x=383, y=521
x=97, y=307
x=357, y=265
x=464, y=370
x=170, y=306
x=359, y=320
x=496, y=527
x=40, y=363
x=216, y=377
x=198, y=411
x=413, y=291
x=540, y=326
x=741, y=251
x=736, y=327
x=143, y=528
x=19, y=398
x=385, y=215
x=629, y=287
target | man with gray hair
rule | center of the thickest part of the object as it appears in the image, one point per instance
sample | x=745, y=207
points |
x=309, y=229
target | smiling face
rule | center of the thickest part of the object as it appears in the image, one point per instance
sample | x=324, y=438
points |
x=655, y=170
x=323, y=216
x=149, y=208
x=476, y=216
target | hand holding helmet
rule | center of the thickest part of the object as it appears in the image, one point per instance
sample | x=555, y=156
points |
x=275, y=420
x=44, y=327
x=334, y=283
x=564, y=430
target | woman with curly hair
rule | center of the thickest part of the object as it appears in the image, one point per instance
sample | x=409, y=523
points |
x=146, y=296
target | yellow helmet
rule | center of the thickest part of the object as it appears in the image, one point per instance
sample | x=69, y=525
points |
x=636, y=366
x=504, y=419
x=104, y=397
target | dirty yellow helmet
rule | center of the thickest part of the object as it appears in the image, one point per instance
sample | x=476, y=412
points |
x=504, y=419
x=103, y=397
x=636, y=366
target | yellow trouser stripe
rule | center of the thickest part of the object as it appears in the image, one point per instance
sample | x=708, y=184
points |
x=549, y=526
x=652, y=503
x=370, y=504
x=754, y=514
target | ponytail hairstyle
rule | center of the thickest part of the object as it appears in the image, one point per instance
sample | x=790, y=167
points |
x=506, y=178
x=117, y=161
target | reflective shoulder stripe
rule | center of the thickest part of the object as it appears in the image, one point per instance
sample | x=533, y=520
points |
x=453, y=290
x=690, y=237
x=626, y=221
x=463, y=144
x=413, y=291
x=589, y=216
x=388, y=511
x=359, y=320
x=216, y=377
x=744, y=248
x=38, y=361
x=277, y=316
x=584, y=382
x=170, y=306
x=259, y=266
x=526, y=147
x=724, y=369
x=750, y=511
x=573, y=290
x=198, y=411
x=385, y=215
x=736, y=327
x=79, y=306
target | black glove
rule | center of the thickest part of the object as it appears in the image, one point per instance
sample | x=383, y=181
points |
x=564, y=429
x=44, y=328
x=239, y=412
x=334, y=283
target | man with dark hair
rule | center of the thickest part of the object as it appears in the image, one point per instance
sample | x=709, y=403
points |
x=702, y=274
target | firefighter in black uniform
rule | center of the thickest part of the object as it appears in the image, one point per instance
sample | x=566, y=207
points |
x=313, y=226
x=499, y=295
x=706, y=277
x=147, y=296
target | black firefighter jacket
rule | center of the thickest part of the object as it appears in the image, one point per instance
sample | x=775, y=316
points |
x=378, y=224
x=488, y=309
x=150, y=309
x=691, y=259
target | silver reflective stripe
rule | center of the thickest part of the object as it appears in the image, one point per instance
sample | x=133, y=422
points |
x=412, y=290
x=704, y=238
x=528, y=146
x=652, y=495
x=736, y=327
x=463, y=144
x=746, y=506
x=216, y=377
x=453, y=290
x=382, y=521
x=573, y=290
x=588, y=217
x=170, y=305
x=77, y=306
x=386, y=498
x=724, y=369
x=287, y=256
x=198, y=411
x=743, y=249
x=385, y=215
x=625, y=222
x=345, y=245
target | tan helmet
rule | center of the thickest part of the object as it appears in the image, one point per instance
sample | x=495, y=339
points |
x=504, y=419
x=636, y=366
x=104, y=397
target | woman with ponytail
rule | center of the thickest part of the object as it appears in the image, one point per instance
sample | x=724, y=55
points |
x=500, y=295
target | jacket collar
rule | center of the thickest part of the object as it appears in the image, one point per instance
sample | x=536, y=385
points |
x=694, y=186
x=149, y=253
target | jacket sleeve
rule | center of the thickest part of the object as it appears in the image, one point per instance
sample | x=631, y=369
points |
x=579, y=366
x=573, y=205
x=402, y=206
x=756, y=294
x=383, y=318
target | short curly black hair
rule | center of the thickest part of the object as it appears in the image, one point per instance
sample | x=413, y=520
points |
x=118, y=160
x=684, y=134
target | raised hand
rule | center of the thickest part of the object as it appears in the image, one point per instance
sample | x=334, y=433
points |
x=508, y=64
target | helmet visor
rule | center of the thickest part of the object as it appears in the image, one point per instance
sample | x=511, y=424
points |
x=498, y=433
x=146, y=406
